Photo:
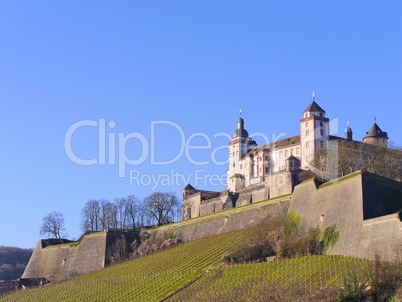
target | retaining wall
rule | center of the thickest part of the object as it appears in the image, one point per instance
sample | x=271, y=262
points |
x=226, y=221
x=347, y=203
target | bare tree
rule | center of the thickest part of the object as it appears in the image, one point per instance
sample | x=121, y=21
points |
x=161, y=207
x=344, y=157
x=121, y=212
x=53, y=225
x=90, y=216
x=108, y=217
x=132, y=210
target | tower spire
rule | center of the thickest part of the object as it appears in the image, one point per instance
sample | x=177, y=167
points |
x=313, y=95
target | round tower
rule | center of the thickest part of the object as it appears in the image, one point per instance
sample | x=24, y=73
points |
x=376, y=136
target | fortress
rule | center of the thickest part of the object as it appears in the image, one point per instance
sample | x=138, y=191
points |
x=263, y=181
x=260, y=172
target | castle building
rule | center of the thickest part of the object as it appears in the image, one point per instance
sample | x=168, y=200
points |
x=272, y=169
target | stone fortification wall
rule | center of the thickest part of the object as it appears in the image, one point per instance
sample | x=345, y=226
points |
x=225, y=201
x=205, y=202
x=57, y=263
x=281, y=183
x=191, y=206
x=226, y=221
x=345, y=203
x=381, y=196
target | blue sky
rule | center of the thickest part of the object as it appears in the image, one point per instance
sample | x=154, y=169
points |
x=192, y=63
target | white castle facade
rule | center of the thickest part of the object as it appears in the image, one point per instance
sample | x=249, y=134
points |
x=253, y=168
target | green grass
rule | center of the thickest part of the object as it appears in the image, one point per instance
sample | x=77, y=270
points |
x=64, y=244
x=335, y=181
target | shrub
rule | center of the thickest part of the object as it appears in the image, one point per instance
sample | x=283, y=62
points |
x=379, y=283
x=399, y=213
x=171, y=235
x=261, y=243
x=292, y=223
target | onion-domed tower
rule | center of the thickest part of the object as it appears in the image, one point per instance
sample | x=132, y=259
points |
x=238, y=148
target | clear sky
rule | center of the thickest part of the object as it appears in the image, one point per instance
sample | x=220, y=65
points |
x=180, y=68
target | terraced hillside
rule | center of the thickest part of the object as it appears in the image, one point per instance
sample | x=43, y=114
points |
x=150, y=278
x=278, y=280
x=193, y=272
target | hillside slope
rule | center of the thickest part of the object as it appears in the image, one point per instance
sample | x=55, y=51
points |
x=13, y=261
x=191, y=272
x=149, y=278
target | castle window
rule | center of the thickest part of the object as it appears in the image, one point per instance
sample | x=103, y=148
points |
x=306, y=124
x=297, y=150
x=280, y=154
x=234, y=164
x=266, y=170
x=266, y=157
x=307, y=145
x=322, y=144
x=241, y=166
x=286, y=153
x=320, y=114
x=321, y=124
x=322, y=132
x=291, y=151
x=306, y=132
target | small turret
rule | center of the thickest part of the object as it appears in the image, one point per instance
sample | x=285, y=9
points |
x=348, y=133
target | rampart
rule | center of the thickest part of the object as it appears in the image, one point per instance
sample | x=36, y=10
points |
x=227, y=220
x=60, y=262
x=199, y=202
x=362, y=206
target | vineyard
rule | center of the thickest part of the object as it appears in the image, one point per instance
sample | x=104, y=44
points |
x=149, y=278
x=277, y=280
x=194, y=272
